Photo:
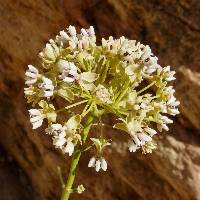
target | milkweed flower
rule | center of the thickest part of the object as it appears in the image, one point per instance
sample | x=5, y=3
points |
x=121, y=77
x=98, y=164
x=36, y=117
x=32, y=75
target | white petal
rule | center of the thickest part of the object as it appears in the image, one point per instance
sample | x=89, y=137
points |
x=56, y=126
x=34, y=112
x=92, y=162
x=30, y=81
x=64, y=35
x=59, y=141
x=144, y=137
x=36, y=118
x=91, y=31
x=37, y=124
x=162, y=126
x=132, y=146
x=166, y=120
x=69, y=148
x=151, y=131
x=98, y=165
x=84, y=32
x=136, y=140
x=47, y=81
x=72, y=30
x=173, y=111
x=68, y=79
x=33, y=69
x=30, y=74
x=103, y=164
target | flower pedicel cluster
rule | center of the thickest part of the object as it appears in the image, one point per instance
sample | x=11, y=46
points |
x=119, y=76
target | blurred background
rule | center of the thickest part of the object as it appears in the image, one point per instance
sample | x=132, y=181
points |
x=28, y=161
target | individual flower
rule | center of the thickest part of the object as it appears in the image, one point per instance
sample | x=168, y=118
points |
x=59, y=140
x=29, y=91
x=168, y=74
x=50, y=53
x=135, y=129
x=102, y=94
x=31, y=75
x=68, y=71
x=69, y=148
x=98, y=163
x=46, y=87
x=55, y=129
x=36, y=117
x=80, y=189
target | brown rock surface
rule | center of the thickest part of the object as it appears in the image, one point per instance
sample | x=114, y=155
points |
x=172, y=29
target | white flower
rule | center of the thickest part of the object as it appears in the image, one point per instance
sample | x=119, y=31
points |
x=173, y=102
x=92, y=162
x=31, y=75
x=169, y=90
x=55, y=129
x=150, y=131
x=98, y=164
x=150, y=69
x=72, y=30
x=80, y=189
x=47, y=87
x=36, y=117
x=168, y=74
x=68, y=70
x=132, y=146
x=64, y=36
x=173, y=111
x=59, y=140
x=50, y=52
x=29, y=91
x=102, y=94
x=166, y=120
x=138, y=140
x=69, y=148
x=84, y=32
x=162, y=126
x=103, y=164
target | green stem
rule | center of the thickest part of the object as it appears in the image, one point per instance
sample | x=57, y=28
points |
x=147, y=87
x=123, y=92
x=72, y=105
x=75, y=159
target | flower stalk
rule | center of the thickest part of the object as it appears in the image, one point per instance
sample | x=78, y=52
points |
x=75, y=160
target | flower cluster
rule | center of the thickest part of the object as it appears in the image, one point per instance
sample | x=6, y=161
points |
x=118, y=76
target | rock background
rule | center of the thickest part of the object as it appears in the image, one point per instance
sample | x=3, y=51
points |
x=172, y=29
